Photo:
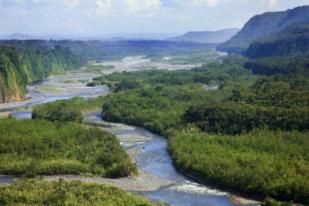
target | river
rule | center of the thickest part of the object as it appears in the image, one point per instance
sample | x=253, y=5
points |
x=158, y=179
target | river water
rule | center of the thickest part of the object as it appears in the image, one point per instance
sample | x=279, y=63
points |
x=151, y=157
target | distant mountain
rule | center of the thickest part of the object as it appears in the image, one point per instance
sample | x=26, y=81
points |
x=206, y=36
x=17, y=36
x=264, y=26
x=292, y=41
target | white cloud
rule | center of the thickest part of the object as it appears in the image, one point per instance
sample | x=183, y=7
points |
x=271, y=3
x=142, y=6
x=40, y=1
x=208, y=3
x=103, y=6
x=72, y=3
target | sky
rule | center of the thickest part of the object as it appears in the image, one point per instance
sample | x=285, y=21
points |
x=94, y=17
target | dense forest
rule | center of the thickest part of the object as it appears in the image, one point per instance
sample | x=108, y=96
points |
x=292, y=66
x=31, y=63
x=262, y=162
x=39, y=193
x=292, y=41
x=148, y=98
x=31, y=148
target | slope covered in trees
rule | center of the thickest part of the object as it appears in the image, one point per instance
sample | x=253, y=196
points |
x=263, y=26
x=30, y=63
x=292, y=41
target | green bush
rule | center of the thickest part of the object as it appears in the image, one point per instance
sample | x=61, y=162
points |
x=59, y=111
x=67, y=110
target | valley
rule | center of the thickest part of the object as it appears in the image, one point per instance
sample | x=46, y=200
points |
x=207, y=118
x=158, y=179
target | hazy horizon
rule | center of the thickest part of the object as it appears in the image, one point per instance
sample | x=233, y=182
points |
x=130, y=18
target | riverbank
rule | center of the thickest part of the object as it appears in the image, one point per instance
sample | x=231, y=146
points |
x=69, y=85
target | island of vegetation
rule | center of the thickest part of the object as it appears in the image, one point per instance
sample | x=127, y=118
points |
x=31, y=148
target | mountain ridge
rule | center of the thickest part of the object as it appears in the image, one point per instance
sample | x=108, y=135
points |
x=263, y=26
x=217, y=36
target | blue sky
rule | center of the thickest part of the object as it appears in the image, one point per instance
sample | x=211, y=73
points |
x=130, y=16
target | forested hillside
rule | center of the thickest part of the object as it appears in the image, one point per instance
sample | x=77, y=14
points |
x=290, y=65
x=263, y=26
x=31, y=62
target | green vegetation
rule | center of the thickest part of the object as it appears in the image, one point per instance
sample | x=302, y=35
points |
x=279, y=65
x=19, y=67
x=152, y=108
x=40, y=193
x=158, y=99
x=67, y=110
x=249, y=135
x=29, y=147
x=292, y=41
x=236, y=118
x=268, y=117
x=263, y=163
x=60, y=110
